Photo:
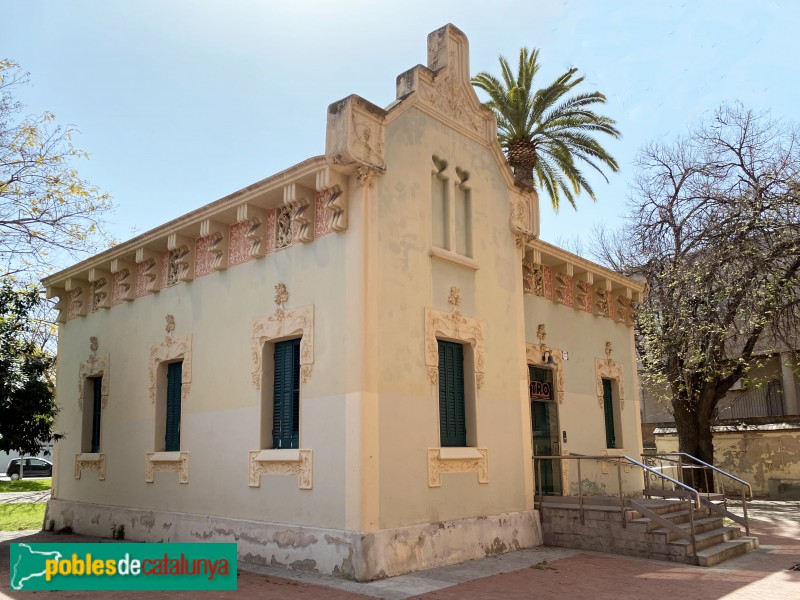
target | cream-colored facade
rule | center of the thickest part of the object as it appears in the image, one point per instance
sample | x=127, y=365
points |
x=410, y=230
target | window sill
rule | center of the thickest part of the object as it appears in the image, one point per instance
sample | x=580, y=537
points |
x=279, y=455
x=458, y=453
x=453, y=258
x=294, y=461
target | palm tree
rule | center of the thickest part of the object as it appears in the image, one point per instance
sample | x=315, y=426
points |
x=543, y=133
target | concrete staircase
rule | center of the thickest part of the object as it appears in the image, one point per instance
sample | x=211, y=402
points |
x=646, y=528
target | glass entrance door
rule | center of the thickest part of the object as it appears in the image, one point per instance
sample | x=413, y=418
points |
x=544, y=425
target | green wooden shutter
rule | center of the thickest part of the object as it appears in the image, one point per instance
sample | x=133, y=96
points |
x=286, y=395
x=96, y=408
x=172, y=438
x=452, y=418
x=608, y=409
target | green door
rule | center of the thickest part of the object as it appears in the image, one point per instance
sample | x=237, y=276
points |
x=544, y=423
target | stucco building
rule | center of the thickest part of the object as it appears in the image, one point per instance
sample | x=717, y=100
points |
x=345, y=367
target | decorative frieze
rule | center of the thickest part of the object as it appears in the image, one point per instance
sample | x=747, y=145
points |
x=91, y=462
x=281, y=462
x=457, y=460
x=283, y=228
x=170, y=462
x=281, y=324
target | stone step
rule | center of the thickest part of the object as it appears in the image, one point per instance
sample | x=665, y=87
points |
x=708, y=539
x=700, y=526
x=678, y=518
x=718, y=553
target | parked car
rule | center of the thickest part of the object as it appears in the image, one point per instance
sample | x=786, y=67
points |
x=33, y=467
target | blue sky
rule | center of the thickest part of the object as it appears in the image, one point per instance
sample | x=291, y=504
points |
x=182, y=102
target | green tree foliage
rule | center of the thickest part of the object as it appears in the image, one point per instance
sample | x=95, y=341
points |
x=715, y=229
x=27, y=406
x=545, y=133
x=46, y=209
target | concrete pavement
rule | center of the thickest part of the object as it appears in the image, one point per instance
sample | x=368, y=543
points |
x=540, y=573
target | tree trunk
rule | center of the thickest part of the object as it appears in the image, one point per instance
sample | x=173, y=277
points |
x=522, y=158
x=694, y=438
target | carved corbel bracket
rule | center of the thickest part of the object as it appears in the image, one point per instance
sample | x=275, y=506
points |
x=219, y=235
x=150, y=269
x=562, y=284
x=602, y=303
x=457, y=460
x=331, y=186
x=584, y=294
x=61, y=305
x=125, y=278
x=298, y=200
x=90, y=462
x=281, y=462
x=257, y=233
x=183, y=256
x=101, y=288
x=79, y=301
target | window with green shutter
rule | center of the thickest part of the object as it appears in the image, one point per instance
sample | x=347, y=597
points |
x=608, y=410
x=172, y=437
x=452, y=418
x=286, y=395
x=96, y=409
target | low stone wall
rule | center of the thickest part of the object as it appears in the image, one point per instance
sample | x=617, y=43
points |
x=601, y=531
x=353, y=555
x=766, y=455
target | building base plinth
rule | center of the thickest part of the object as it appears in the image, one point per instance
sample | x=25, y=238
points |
x=363, y=556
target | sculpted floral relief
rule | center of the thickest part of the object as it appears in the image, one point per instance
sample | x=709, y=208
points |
x=169, y=350
x=533, y=355
x=281, y=324
x=154, y=463
x=438, y=465
x=605, y=368
x=302, y=468
x=456, y=326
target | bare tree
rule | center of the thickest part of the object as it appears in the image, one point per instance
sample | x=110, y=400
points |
x=45, y=207
x=715, y=228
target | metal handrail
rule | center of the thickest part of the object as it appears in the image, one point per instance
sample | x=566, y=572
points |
x=619, y=461
x=745, y=519
x=705, y=464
